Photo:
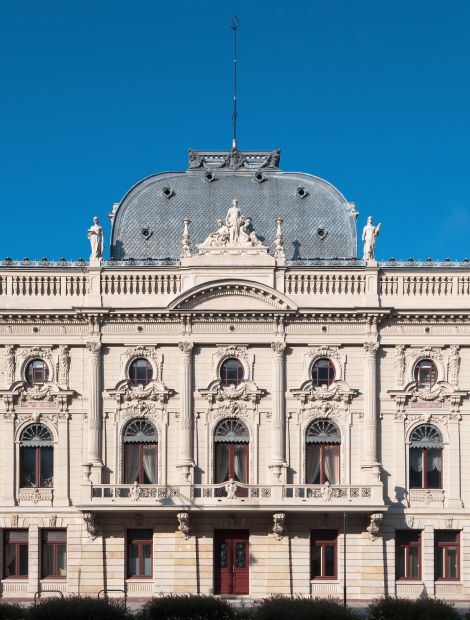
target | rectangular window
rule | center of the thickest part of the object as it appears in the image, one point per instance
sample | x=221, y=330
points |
x=15, y=553
x=54, y=554
x=323, y=554
x=139, y=553
x=446, y=555
x=408, y=554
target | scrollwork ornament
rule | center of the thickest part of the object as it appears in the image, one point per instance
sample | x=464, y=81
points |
x=89, y=519
x=185, y=347
x=371, y=348
x=278, y=347
x=374, y=526
x=94, y=347
x=183, y=524
x=400, y=364
x=10, y=364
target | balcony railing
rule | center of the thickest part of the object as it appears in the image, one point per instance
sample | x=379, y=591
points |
x=231, y=494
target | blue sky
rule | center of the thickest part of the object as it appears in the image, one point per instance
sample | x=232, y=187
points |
x=372, y=95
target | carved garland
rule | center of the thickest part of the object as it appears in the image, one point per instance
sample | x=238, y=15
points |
x=413, y=356
x=149, y=353
x=225, y=352
x=333, y=353
x=43, y=353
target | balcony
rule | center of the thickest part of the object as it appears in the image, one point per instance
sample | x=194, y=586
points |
x=232, y=495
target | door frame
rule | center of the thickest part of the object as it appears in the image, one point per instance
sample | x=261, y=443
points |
x=224, y=534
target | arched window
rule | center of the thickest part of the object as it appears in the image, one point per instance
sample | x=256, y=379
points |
x=323, y=372
x=425, y=373
x=36, y=457
x=140, y=452
x=231, y=372
x=37, y=373
x=140, y=372
x=426, y=458
x=322, y=453
x=231, y=451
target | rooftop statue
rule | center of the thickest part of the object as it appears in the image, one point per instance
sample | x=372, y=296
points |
x=234, y=232
x=96, y=237
x=369, y=235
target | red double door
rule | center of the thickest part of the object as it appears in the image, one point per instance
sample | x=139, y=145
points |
x=231, y=562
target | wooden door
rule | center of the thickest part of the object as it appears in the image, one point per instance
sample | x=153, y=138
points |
x=231, y=562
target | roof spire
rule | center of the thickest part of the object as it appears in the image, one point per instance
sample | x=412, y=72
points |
x=234, y=27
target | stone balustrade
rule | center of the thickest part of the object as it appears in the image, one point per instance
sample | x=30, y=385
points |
x=231, y=494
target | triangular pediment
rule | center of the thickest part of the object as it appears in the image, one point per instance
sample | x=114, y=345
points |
x=233, y=296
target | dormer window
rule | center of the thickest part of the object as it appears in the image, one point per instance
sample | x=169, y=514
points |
x=140, y=372
x=37, y=373
x=231, y=372
x=323, y=372
x=425, y=374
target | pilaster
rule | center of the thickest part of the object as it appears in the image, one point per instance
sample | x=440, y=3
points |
x=370, y=464
x=278, y=457
x=185, y=461
x=94, y=413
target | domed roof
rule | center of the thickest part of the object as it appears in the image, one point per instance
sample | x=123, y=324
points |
x=318, y=221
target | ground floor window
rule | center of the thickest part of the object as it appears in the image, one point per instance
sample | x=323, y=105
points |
x=16, y=553
x=408, y=554
x=139, y=553
x=446, y=555
x=54, y=553
x=324, y=554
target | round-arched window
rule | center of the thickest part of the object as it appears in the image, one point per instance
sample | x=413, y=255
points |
x=231, y=372
x=140, y=452
x=425, y=373
x=36, y=456
x=323, y=372
x=37, y=372
x=231, y=440
x=140, y=372
x=323, y=440
x=425, y=467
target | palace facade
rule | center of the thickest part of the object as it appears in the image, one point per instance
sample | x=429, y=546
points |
x=234, y=400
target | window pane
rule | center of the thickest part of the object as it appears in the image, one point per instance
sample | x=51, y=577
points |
x=400, y=563
x=416, y=468
x=61, y=560
x=221, y=462
x=133, y=560
x=434, y=467
x=316, y=561
x=313, y=464
x=452, y=563
x=28, y=467
x=149, y=464
x=414, y=562
x=10, y=560
x=147, y=560
x=331, y=464
x=23, y=560
x=329, y=561
x=439, y=562
x=132, y=464
x=47, y=466
x=47, y=560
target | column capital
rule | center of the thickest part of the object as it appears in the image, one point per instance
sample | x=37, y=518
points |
x=94, y=346
x=371, y=348
x=278, y=347
x=185, y=347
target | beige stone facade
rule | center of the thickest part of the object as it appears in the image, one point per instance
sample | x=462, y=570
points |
x=374, y=322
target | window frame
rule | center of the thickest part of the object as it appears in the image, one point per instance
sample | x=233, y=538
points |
x=424, y=472
x=139, y=542
x=240, y=372
x=148, y=370
x=45, y=372
x=316, y=540
x=407, y=545
x=54, y=544
x=48, y=444
x=445, y=546
x=322, y=446
x=331, y=372
x=422, y=385
x=17, y=545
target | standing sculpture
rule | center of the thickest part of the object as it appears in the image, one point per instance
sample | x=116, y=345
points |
x=233, y=221
x=96, y=237
x=369, y=235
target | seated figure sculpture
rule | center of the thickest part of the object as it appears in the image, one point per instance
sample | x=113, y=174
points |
x=235, y=231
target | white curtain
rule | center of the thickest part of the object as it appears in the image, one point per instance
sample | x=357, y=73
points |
x=434, y=459
x=331, y=459
x=312, y=475
x=150, y=462
x=221, y=462
x=132, y=451
x=239, y=465
x=416, y=459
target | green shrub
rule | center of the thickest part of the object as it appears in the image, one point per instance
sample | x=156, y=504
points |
x=77, y=608
x=12, y=612
x=278, y=607
x=186, y=607
x=389, y=608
